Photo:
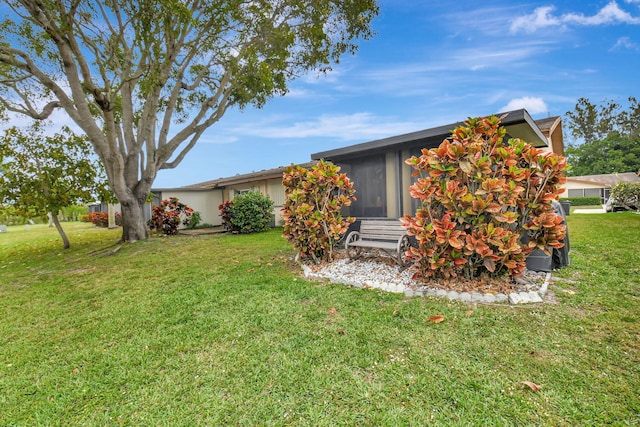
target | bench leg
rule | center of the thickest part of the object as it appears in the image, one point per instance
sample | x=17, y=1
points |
x=403, y=246
x=353, y=252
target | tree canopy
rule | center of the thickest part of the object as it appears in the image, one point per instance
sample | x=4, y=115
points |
x=589, y=122
x=607, y=138
x=42, y=174
x=613, y=154
x=145, y=78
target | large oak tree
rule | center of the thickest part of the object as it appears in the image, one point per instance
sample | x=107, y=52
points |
x=145, y=78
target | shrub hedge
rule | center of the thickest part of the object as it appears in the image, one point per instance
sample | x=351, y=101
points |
x=583, y=201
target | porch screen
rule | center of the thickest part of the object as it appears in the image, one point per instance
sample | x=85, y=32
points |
x=368, y=175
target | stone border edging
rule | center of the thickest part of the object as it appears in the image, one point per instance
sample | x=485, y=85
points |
x=514, y=298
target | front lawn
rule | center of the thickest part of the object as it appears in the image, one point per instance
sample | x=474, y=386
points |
x=220, y=330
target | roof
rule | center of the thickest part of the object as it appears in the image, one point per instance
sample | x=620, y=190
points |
x=547, y=124
x=240, y=178
x=608, y=180
x=518, y=123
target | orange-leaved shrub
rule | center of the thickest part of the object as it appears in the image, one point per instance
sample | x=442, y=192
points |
x=311, y=212
x=485, y=205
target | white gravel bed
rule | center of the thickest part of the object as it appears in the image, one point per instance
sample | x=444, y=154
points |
x=374, y=274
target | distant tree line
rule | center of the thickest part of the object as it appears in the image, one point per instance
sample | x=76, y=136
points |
x=606, y=137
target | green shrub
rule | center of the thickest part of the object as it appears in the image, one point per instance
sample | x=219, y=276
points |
x=627, y=195
x=194, y=221
x=583, y=201
x=73, y=212
x=249, y=212
x=485, y=204
x=311, y=211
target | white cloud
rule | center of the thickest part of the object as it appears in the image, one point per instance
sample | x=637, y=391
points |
x=543, y=17
x=625, y=43
x=540, y=18
x=533, y=105
x=352, y=127
x=609, y=14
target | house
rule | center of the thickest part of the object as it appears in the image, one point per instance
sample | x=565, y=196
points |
x=596, y=185
x=205, y=197
x=377, y=169
x=382, y=179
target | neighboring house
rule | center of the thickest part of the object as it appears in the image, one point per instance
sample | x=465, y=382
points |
x=377, y=169
x=382, y=179
x=551, y=127
x=205, y=197
x=596, y=185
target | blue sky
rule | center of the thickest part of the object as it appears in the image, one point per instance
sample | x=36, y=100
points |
x=433, y=63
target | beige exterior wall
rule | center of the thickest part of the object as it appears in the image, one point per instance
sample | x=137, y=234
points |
x=205, y=202
x=268, y=187
x=573, y=185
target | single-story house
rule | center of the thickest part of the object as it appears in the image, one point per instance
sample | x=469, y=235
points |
x=377, y=168
x=382, y=179
x=596, y=185
x=205, y=197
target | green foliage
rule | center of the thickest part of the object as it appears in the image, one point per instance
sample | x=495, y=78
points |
x=583, y=201
x=589, y=122
x=311, y=212
x=10, y=216
x=480, y=197
x=626, y=195
x=613, y=154
x=164, y=71
x=249, y=212
x=610, y=136
x=169, y=215
x=74, y=212
x=194, y=221
x=48, y=173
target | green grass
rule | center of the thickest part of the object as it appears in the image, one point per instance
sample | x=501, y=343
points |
x=221, y=330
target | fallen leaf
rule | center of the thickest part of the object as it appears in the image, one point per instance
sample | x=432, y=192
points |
x=332, y=311
x=468, y=313
x=436, y=319
x=76, y=371
x=396, y=313
x=533, y=386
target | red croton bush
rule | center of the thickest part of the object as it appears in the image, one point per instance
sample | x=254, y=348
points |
x=167, y=217
x=485, y=205
x=311, y=212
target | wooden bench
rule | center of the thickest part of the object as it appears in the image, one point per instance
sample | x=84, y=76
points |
x=385, y=234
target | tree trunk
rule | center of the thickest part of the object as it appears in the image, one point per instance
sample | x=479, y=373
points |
x=134, y=227
x=65, y=239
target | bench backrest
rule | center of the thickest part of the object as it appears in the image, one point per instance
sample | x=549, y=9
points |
x=381, y=229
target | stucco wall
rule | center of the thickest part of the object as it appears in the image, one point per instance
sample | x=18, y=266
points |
x=205, y=202
x=268, y=187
